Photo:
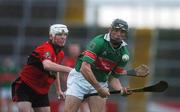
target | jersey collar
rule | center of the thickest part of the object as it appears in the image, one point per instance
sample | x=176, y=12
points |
x=107, y=38
x=56, y=48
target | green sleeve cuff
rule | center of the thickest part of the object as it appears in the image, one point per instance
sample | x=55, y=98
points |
x=88, y=59
x=116, y=75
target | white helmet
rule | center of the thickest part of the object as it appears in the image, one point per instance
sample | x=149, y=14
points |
x=57, y=28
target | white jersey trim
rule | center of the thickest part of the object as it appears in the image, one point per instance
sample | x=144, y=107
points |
x=107, y=38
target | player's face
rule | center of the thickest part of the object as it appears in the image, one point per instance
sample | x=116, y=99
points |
x=60, y=39
x=118, y=34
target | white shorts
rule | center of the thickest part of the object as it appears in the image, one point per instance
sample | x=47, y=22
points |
x=78, y=86
x=5, y=92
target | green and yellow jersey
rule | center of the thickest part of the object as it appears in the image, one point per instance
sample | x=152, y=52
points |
x=103, y=58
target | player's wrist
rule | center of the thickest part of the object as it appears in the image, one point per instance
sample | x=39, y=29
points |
x=125, y=91
x=131, y=72
x=68, y=69
x=58, y=88
x=97, y=86
x=59, y=91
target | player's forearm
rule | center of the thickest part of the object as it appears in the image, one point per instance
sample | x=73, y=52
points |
x=49, y=65
x=58, y=83
x=89, y=76
x=115, y=83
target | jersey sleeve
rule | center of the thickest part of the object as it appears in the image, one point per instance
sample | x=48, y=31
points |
x=93, y=50
x=60, y=57
x=44, y=52
x=119, y=70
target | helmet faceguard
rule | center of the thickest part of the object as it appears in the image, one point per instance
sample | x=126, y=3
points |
x=58, y=29
x=118, y=24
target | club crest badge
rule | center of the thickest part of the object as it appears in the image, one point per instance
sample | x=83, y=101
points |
x=47, y=55
x=92, y=46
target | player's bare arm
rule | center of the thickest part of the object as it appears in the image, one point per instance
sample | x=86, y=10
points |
x=116, y=85
x=49, y=65
x=59, y=92
x=88, y=74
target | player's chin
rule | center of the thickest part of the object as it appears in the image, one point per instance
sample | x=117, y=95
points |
x=61, y=44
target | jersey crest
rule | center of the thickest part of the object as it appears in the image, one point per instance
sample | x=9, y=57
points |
x=47, y=55
x=92, y=45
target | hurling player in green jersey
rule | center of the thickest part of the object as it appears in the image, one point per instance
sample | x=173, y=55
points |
x=101, y=63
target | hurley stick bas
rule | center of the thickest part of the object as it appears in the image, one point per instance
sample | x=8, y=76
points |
x=158, y=87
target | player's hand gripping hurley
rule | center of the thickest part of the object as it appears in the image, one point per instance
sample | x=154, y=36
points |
x=158, y=87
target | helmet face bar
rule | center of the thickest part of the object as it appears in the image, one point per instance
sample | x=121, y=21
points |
x=58, y=29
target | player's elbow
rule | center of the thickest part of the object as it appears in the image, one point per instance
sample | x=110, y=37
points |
x=46, y=64
x=84, y=67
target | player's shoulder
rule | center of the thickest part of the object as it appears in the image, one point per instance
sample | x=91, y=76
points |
x=47, y=43
x=99, y=39
x=43, y=46
x=96, y=44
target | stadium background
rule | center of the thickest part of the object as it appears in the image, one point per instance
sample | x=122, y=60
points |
x=154, y=38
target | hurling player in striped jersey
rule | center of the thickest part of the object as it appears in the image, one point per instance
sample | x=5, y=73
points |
x=30, y=90
x=101, y=63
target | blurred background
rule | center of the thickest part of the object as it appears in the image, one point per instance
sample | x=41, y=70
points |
x=153, y=38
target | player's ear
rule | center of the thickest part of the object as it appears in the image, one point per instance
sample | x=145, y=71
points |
x=110, y=29
x=50, y=37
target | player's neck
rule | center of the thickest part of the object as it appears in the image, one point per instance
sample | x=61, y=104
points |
x=56, y=47
x=115, y=46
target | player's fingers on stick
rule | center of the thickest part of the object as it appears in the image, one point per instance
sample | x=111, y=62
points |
x=61, y=96
x=103, y=92
x=64, y=95
x=58, y=97
x=126, y=89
